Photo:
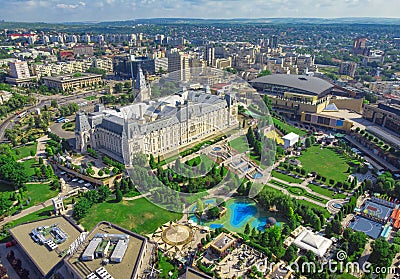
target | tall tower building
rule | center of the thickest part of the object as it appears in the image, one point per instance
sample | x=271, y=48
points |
x=178, y=62
x=210, y=55
x=273, y=41
x=348, y=68
x=19, y=69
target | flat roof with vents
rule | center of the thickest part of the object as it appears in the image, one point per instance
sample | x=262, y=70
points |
x=123, y=257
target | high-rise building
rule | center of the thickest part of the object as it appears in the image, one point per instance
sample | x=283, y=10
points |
x=179, y=63
x=161, y=64
x=210, y=56
x=273, y=41
x=19, y=69
x=348, y=68
x=360, y=47
x=147, y=65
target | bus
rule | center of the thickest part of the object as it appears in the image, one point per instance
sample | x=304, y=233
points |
x=61, y=119
x=22, y=114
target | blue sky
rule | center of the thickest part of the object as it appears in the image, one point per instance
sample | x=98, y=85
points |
x=105, y=10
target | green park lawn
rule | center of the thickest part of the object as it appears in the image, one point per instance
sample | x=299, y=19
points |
x=326, y=192
x=38, y=215
x=25, y=151
x=286, y=177
x=29, y=166
x=39, y=192
x=240, y=144
x=196, y=161
x=139, y=215
x=288, y=128
x=326, y=162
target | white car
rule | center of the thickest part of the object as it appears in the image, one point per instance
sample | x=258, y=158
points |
x=74, y=180
x=81, y=181
x=63, y=172
x=87, y=184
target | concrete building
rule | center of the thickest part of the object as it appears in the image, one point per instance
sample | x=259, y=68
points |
x=386, y=115
x=223, y=63
x=19, y=73
x=222, y=243
x=179, y=63
x=209, y=55
x=71, y=82
x=161, y=64
x=290, y=140
x=146, y=64
x=293, y=94
x=124, y=250
x=70, y=67
x=327, y=121
x=19, y=70
x=39, y=250
x=273, y=42
x=348, y=68
x=156, y=127
x=360, y=47
x=83, y=50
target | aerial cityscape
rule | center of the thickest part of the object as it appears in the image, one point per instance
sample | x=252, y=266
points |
x=199, y=139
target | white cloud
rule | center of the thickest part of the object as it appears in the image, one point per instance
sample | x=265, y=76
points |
x=70, y=6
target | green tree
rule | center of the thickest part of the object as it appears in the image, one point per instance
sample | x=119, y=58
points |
x=307, y=142
x=290, y=254
x=213, y=212
x=200, y=206
x=5, y=203
x=118, y=195
x=119, y=87
x=81, y=208
x=247, y=229
x=104, y=193
x=54, y=103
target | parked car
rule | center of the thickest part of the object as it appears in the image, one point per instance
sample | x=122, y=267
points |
x=11, y=243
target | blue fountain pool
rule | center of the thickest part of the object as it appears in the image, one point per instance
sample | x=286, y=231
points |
x=257, y=175
x=239, y=213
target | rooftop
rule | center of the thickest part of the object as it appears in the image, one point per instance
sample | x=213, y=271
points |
x=42, y=257
x=291, y=136
x=70, y=77
x=313, y=85
x=223, y=240
x=307, y=240
x=130, y=261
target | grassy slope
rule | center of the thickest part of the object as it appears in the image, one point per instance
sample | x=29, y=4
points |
x=139, y=215
x=326, y=162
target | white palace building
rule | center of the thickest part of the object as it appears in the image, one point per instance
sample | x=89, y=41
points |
x=156, y=127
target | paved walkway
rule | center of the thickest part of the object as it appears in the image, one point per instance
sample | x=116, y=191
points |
x=286, y=192
x=136, y=197
x=27, y=211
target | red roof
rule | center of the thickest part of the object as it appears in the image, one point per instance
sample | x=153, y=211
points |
x=21, y=35
x=395, y=214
